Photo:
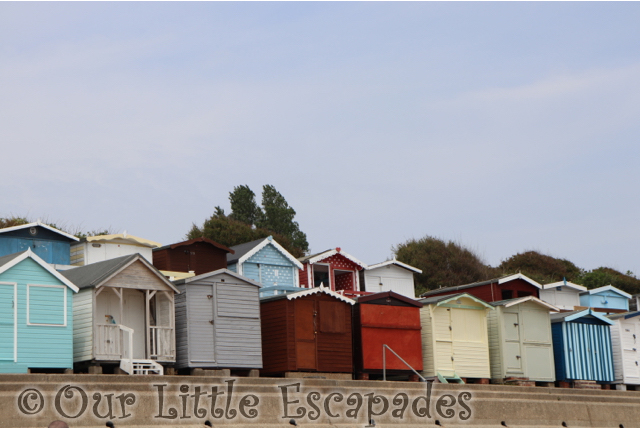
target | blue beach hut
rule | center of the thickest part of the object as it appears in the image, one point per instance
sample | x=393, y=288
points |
x=36, y=328
x=607, y=297
x=268, y=263
x=582, y=346
x=50, y=244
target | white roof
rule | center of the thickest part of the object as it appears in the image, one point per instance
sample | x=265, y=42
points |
x=564, y=284
x=532, y=299
x=124, y=238
x=608, y=288
x=329, y=253
x=394, y=262
x=37, y=259
x=321, y=289
x=519, y=276
x=218, y=272
x=38, y=223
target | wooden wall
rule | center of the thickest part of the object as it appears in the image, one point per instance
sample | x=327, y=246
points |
x=199, y=257
x=493, y=292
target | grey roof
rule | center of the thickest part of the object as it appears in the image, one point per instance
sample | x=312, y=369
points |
x=462, y=287
x=242, y=249
x=625, y=315
x=94, y=274
x=6, y=259
x=436, y=299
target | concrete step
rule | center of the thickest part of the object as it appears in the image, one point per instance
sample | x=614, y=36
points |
x=147, y=401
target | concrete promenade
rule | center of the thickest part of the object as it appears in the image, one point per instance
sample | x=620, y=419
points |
x=34, y=400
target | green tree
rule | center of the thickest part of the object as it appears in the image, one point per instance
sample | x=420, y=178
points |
x=243, y=205
x=606, y=276
x=442, y=263
x=540, y=267
x=12, y=221
x=278, y=217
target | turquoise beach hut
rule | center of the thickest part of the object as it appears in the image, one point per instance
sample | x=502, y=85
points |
x=36, y=329
x=606, y=298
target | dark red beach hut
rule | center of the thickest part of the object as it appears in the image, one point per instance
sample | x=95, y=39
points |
x=200, y=255
x=494, y=290
x=390, y=319
x=306, y=331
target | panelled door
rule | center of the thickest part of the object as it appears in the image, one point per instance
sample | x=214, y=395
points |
x=7, y=322
x=630, y=350
x=201, y=306
x=444, y=341
x=306, y=320
x=512, y=344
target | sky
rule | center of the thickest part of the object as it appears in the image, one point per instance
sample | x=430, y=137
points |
x=506, y=127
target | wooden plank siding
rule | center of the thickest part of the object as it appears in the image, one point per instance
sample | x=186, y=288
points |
x=137, y=276
x=182, y=328
x=200, y=257
x=83, y=325
x=493, y=292
x=270, y=267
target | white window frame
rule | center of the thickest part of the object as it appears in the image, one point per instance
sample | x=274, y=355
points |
x=15, y=318
x=64, y=289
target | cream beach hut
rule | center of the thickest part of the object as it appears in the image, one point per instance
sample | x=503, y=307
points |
x=454, y=337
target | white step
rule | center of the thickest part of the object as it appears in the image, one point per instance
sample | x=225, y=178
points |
x=141, y=367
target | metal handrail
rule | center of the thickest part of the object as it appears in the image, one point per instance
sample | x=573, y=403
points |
x=384, y=363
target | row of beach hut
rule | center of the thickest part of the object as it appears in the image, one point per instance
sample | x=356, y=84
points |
x=143, y=311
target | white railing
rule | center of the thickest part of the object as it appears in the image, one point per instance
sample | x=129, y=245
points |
x=161, y=342
x=384, y=363
x=107, y=340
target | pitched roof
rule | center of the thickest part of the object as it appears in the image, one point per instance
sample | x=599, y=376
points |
x=574, y=315
x=607, y=288
x=394, y=262
x=214, y=273
x=625, y=315
x=193, y=241
x=500, y=280
x=507, y=303
x=315, y=258
x=564, y=284
x=389, y=295
x=95, y=274
x=243, y=252
x=438, y=300
x=9, y=261
x=39, y=224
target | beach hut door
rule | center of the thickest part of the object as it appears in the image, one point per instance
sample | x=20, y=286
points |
x=512, y=345
x=202, y=325
x=134, y=317
x=445, y=363
x=630, y=349
x=7, y=322
x=306, y=331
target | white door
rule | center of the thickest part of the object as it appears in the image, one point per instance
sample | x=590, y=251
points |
x=630, y=351
x=134, y=317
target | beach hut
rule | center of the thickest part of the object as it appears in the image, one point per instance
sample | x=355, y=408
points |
x=36, y=325
x=99, y=248
x=454, y=338
x=520, y=344
x=625, y=343
x=334, y=269
x=306, y=331
x=582, y=346
x=390, y=319
x=199, y=255
x=48, y=243
x=268, y=263
x=123, y=314
x=564, y=295
x=493, y=290
x=218, y=322
x=606, y=299
x=391, y=275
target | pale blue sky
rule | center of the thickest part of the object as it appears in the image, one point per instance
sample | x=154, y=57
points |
x=505, y=126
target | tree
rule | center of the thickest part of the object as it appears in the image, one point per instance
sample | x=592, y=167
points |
x=443, y=263
x=606, y=276
x=278, y=217
x=540, y=267
x=243, y=205
x=12, y=221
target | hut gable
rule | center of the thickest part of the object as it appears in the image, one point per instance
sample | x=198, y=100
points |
x=268, y=263
x=48, y=243
x=200, y=255
x=332, y=268
x=564, y=295
x=520, y=342
x=35, y=314
x=391, y=275
x=606, y=298
x=493, y=290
